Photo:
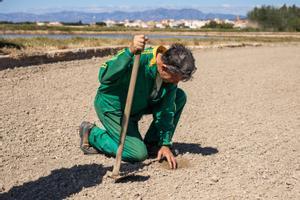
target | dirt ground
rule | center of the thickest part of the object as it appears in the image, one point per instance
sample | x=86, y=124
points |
x=238, y=138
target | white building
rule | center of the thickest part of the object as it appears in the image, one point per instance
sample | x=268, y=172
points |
x=110, y=23
x=40, y=23
x=159, y=25
x=54, y=24
x=227, y=21
x=135, y=24
x=194, y=24
x=176, y=24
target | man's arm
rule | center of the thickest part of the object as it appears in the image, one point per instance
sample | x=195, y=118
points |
x=113, y=69
x=164, y=116
x=164, y=122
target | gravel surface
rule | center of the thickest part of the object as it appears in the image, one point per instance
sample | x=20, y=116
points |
x=238, y=138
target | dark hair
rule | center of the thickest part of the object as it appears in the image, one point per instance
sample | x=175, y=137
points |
x=180, y=60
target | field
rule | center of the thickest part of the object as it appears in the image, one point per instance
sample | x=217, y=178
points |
x=238, y=138
x=18, y=47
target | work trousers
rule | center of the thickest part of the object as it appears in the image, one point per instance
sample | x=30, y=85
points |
x=107, y=140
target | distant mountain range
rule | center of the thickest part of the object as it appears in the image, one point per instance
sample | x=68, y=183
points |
x=75, y=16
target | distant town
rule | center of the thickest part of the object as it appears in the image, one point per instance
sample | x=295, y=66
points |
x=167, y=23
x=264, y=18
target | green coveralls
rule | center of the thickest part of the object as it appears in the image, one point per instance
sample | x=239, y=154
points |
x=166, y=107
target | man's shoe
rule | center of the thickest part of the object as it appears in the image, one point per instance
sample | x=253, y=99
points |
x=84, y=132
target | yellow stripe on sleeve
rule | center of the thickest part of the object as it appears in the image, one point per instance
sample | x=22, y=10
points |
x=158, y=49
x=104, y=65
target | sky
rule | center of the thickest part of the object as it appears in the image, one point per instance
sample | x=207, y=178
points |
x=216, y=6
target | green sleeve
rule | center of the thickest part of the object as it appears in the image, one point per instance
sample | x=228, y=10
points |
x=164, y=116
x=113, y=69
x=116, y=67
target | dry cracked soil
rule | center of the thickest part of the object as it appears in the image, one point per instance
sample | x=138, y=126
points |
x=238, y=138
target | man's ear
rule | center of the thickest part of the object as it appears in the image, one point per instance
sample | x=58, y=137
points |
x=164, y=67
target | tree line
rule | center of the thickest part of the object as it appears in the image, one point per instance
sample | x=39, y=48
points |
x=215, y=25
x=270, y=18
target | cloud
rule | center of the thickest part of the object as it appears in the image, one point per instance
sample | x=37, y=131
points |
x=226, y=6
x=235, y=10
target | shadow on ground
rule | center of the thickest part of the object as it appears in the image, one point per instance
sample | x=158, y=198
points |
x=64, y=182
x=60, y=184
x=132, y=178
x=194, y=148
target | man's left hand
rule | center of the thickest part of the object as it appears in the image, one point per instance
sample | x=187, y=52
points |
x=165, y=152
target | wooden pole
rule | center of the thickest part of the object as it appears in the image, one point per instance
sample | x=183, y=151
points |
x=126, y=115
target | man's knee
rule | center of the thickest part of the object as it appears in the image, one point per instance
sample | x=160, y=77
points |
x=141, y=155
x=135, y=153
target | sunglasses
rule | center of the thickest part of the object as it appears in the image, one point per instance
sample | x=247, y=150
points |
x=176, y=71
x=173, y=69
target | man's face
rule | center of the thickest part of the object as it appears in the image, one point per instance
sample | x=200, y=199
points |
x=165, y=74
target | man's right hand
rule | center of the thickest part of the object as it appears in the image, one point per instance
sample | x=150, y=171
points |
x=138, y=43
x=167, y=153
